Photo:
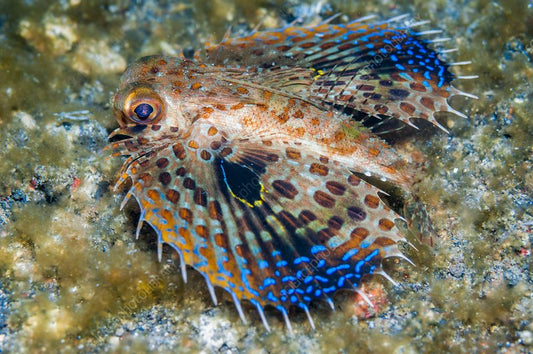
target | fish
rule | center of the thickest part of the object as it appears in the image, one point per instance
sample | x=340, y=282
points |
x=252, y=161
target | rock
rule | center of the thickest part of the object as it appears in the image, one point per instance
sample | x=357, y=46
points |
x=55, y=35
x=94, y=57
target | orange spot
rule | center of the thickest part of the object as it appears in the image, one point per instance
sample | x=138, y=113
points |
x=373, y=152
x=206, y=112
x=242, y=90
x=201, y=231
x=283, y=118
x=196, y=86
x=237, y=106
x=340, y=136
x=167, y=215
x=268, y=95
x=299, y=132
x=212, y=131
x=385, y=224
x=220, y=241
x=298, y=114
x=185, y=214
x=154, y=195
x=371, y=201
x=193, y=144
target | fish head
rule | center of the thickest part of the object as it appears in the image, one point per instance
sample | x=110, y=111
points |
x=151, y=92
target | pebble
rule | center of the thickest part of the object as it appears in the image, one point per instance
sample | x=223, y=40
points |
x=94, y=57
x=526, y=337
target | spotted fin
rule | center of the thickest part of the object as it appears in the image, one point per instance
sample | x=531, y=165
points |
x=274, y=224
x=382, y=69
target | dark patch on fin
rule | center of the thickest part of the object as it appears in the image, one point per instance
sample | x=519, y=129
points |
x=242, y=183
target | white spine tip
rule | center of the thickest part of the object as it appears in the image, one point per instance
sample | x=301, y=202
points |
x=239, y=308
x=458, y=63
x=439, y=40
x=309, y=318
x=417, y=24
x=330, y=303
x=287, y=322
x=460, y=114
x=211, y=290
x=429, y=32
x=159, y=250
x=262, y=315
x=365, y=298
x=467, y=77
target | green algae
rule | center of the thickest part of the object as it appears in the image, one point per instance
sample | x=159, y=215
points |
x=76, y=275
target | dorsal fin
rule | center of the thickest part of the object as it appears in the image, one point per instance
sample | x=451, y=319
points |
x=382, y=69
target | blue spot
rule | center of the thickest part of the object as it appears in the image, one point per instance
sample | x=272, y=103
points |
x=318, y=292
x=281, y=264
x=317, y=248
x=277, y=273
x=321, y=279
x=262, y=264
x=321, y=263
x=283, y=292
x=309, y=289
x=300, y=291
x=330, y=289
x=343, y=266
x=299, y=274
x=275, y=253
x=268, y=282
x=400, y=67
x=271, y=297
x=371, y=255
x=349, y=254
x=291, y=291
x=358, y=266
x=393, y=57
x=308, y=279
x=340, y=283
x=288, y=278
x=283, y=298
x=415, y=70
x=307, y=298
x=300, y=260
x=426, y=84
x=294, y=299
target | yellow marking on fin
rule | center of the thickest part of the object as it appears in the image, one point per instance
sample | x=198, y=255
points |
x=244, y=201
x=319, y=73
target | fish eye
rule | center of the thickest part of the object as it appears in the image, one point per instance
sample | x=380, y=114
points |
x=143, y=106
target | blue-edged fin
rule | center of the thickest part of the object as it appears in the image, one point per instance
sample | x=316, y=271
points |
x=383, y=69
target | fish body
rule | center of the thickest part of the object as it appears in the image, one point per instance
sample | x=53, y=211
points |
x=248, y=160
